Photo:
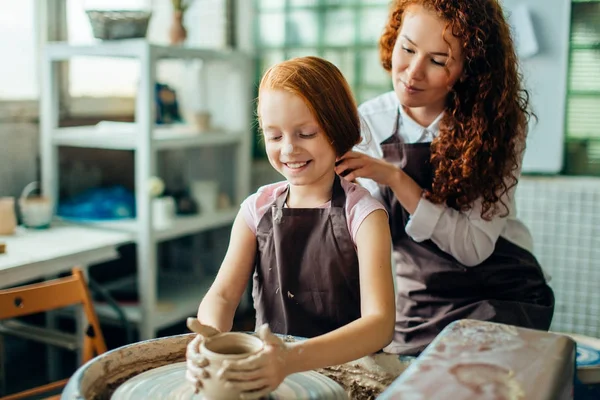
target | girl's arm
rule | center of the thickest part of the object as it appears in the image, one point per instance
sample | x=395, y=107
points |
x=258, y=375
x=218, y=307
x=375, y=328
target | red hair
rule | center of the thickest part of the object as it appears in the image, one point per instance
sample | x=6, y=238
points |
x=483, y=131
x=325, y=92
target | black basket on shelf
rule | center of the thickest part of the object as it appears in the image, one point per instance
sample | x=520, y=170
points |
x=119, y=24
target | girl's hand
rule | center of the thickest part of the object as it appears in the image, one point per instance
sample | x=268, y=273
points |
x=196, y=363
x=354, y=165
x=260, y=374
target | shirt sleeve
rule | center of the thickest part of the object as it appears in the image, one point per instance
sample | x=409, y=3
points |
x=465, y=235
x=359, y=204
x=248, y=210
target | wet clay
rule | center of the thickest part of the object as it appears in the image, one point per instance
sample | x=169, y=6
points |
x=365, y=378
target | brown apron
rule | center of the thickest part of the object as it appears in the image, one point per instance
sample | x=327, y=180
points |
x=434, y=289
x=306, y=281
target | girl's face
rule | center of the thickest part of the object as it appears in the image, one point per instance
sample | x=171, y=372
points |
x=296, y=145
x=420, y=58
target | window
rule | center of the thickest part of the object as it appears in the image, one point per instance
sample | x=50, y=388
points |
x=583, y=96
x=107, y=86
x=98, y=77
x=19, y=49
x=346, y=32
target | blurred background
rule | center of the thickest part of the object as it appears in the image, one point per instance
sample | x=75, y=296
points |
x=136, y=117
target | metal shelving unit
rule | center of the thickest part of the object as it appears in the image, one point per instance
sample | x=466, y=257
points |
x=230, y=74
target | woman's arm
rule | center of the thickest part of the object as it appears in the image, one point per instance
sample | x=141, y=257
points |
x=375, y=328
x=464, y=235
x=218, y=307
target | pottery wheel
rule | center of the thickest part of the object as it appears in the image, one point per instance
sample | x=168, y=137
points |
x=168, y=383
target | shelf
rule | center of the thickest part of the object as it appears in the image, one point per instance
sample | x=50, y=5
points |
x=126, y=139
x=137, y=48
x=182, y=225
x=178, y=298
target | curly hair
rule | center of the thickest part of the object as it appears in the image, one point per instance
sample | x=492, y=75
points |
x=483, y=131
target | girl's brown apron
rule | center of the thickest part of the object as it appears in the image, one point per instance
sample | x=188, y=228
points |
x=435, y=289
x=306, y=281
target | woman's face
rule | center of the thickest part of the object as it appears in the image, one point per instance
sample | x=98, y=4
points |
x=423, y=67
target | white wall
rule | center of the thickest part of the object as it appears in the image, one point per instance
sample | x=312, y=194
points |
x=546, y=79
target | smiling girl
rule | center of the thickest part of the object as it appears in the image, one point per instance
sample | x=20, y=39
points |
x=318, y=247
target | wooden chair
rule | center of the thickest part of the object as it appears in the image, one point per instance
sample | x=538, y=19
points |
x=52, y=295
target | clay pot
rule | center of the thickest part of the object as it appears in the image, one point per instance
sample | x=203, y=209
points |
x=225, y=346
x=8, y=220
x=177, y=33
x=37, y=211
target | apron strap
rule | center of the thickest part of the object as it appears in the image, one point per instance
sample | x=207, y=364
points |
x=338, y=196
x=394, y=137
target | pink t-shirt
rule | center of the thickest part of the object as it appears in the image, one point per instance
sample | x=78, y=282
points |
x=359, y=204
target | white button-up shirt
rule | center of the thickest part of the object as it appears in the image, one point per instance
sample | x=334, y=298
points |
x=465, y=235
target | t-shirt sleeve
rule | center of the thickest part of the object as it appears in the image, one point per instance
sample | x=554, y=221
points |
x=359, y=204
x=254, y=207
x=248, y=210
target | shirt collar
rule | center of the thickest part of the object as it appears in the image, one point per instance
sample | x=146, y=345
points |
x=416, y=133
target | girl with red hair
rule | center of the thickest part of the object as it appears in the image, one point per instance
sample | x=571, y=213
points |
x=444, y=154
x=318, y=247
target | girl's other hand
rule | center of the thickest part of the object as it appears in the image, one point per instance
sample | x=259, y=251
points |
x=196, y=363
x=260, y=374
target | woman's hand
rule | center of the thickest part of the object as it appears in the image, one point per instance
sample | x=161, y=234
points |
x=354, y=165
x=196, y=363
x=258, y=375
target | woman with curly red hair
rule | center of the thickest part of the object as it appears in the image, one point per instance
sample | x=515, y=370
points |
x=444, y=153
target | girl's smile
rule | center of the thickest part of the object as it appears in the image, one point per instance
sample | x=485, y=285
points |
x=297, y=147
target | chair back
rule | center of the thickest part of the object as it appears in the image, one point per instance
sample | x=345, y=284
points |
x=49, y=296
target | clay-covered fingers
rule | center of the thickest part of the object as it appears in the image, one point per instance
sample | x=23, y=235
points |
x=196, y=363
x=248, y=386
x=251, y=363
x=198, y=370
x=268, y=337
x=196, y=326
x=193, y=347
x=189, y=376
x=237, y=375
